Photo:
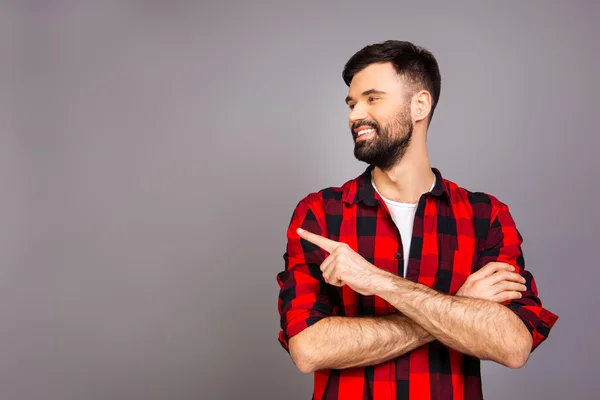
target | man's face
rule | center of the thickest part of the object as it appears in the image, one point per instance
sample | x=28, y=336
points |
x=380, y=120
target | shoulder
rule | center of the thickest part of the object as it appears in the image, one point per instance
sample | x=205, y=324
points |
x=328, y=200
x=481, y=204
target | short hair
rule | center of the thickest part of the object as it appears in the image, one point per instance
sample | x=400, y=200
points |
x=415, y=64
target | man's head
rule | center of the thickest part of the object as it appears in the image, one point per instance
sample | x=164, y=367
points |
x=394, y=87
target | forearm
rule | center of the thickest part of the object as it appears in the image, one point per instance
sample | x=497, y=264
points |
x=347, y=342
x=481, y=328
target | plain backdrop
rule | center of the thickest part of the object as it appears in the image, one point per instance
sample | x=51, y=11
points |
x=152, y=153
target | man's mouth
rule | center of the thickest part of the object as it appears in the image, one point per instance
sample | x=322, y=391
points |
x=363, y=134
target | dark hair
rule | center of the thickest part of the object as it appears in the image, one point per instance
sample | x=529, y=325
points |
x=416, y=64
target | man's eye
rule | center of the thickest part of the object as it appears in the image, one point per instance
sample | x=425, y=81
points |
x=351, y=106
x=373, y=98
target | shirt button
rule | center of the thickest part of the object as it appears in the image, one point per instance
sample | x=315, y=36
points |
x=398, y=255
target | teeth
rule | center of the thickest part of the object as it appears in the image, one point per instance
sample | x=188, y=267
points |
x=362, y=132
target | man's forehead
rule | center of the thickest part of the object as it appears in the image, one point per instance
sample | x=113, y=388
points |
x=380, y=76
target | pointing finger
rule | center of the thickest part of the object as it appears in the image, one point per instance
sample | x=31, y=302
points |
x=326, y=244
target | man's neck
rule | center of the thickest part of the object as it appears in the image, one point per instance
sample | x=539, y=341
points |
x=407, y=180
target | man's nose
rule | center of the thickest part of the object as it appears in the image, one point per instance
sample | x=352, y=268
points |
x=358, y=113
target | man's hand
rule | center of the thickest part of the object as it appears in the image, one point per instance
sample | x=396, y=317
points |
x=344, y=265
x=496, y=282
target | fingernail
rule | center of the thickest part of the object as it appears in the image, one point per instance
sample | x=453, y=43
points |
x=512, y=268
x=299, y=230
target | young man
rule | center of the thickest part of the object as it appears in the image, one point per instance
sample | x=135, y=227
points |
x=399, y=282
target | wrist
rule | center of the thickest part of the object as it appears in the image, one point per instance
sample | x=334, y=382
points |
x=388, y=285
x=402, y=293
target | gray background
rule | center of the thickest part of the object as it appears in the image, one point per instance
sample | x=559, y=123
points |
x=152, y=152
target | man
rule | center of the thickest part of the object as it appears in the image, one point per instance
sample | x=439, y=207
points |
x=399, y=282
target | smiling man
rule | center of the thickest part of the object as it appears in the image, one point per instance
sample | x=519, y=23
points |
x=398, y=282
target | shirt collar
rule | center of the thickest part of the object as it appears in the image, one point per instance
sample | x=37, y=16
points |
x=361, y=189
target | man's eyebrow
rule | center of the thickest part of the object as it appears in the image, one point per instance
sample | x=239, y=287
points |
x=366, y=93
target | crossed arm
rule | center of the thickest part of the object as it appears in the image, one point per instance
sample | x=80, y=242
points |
x=473, y=322
x=347, y=342
x=482, y=328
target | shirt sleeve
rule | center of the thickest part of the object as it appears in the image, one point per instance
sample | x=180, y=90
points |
x=304, y=296
x=503, y=244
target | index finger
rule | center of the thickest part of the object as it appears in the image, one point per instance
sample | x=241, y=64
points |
x=491, y=268
x=326, y=244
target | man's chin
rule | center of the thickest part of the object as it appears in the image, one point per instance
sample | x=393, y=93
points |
x=360, y=156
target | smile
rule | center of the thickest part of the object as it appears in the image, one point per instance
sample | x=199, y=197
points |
x=364, y=133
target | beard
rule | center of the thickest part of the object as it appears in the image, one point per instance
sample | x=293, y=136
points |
x=389, y=143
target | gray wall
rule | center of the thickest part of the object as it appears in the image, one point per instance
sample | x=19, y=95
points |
x=152, y=152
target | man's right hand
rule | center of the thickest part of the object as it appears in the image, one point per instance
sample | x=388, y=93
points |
x=496, y=282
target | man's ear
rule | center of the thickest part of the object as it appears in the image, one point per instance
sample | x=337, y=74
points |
x=421, y=105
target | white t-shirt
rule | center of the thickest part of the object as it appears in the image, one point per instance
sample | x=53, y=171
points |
x=403, y=215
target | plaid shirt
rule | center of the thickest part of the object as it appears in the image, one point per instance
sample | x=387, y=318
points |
x=456, y=232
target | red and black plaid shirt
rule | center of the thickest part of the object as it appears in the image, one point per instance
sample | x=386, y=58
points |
x=456, y=232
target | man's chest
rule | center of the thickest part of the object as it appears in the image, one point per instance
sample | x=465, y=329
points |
x=442, y=251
